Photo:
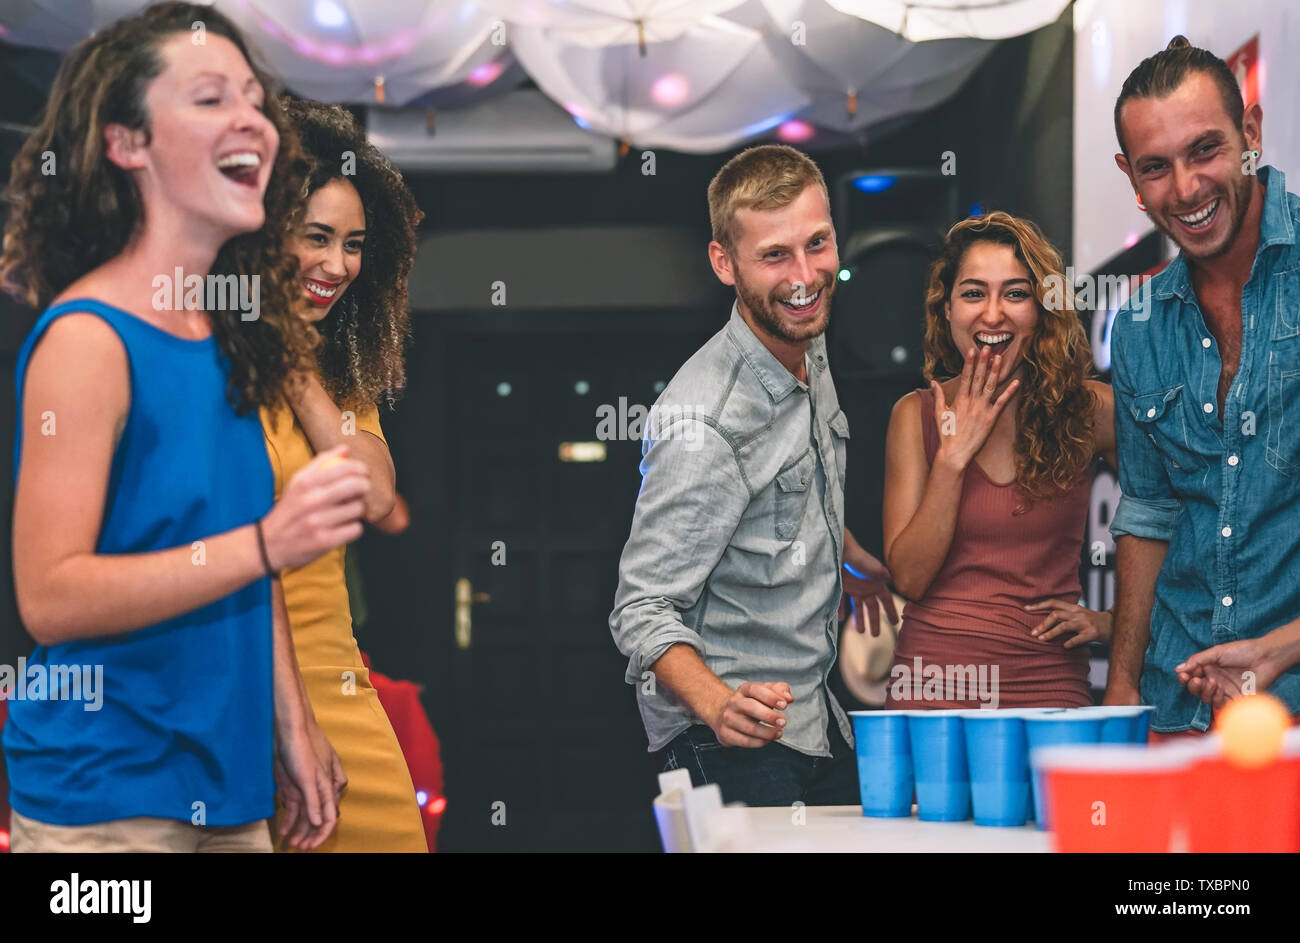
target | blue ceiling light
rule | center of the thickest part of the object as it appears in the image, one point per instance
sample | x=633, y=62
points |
x=758, y=127
x=874, y=183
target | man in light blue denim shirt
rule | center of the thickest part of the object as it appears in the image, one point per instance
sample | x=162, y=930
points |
x=730, y=582
x=1206, y=361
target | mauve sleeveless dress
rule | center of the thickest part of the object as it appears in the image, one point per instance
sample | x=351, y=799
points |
x=973, y=620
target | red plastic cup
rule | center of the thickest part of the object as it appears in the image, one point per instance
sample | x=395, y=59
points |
x=1112, y=797
x=1244, y=810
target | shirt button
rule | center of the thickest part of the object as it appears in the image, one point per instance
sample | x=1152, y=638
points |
x=1233, y=460
x=1227, y=600
x=1205, y=342
x=1151, y=412
x=1209, y=407
x=1227, y=532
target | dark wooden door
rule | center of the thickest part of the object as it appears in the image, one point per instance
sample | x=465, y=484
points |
x=543, y=747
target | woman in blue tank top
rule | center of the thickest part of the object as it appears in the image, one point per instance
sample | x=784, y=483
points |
x=161, y=706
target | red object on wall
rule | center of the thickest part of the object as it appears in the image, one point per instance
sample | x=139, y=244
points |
x=401, y=701
x=1244, y=64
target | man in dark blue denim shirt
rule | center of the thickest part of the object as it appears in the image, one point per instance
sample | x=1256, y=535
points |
x=1206, y=362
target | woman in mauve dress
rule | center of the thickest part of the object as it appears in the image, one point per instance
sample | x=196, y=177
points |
x=987, y=481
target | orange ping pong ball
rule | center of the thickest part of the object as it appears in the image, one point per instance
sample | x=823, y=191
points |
x=1251, y=729
x=331, y=461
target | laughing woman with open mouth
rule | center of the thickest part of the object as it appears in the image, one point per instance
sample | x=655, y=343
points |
x=987, y=482
x=145, y=537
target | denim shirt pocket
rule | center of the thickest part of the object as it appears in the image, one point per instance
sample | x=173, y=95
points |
x=1286, y=292
x=1162, y=416
x=1283, y=443
x=792, y=494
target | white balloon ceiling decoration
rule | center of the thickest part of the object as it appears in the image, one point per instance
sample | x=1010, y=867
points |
x=690, y=75
x=59, y=24
x=389, y=52
x=859, y=74
x=711, y=86
x=925, y=20
x=610, y=22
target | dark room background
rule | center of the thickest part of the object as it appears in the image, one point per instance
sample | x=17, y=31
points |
x=608, y=290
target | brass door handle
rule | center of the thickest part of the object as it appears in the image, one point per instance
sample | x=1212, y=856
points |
x=465, y=599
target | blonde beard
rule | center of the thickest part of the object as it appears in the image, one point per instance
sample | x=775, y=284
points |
x=770, y=321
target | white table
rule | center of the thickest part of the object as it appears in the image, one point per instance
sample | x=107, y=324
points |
x=843, y=828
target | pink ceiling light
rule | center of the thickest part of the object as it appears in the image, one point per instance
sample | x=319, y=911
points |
x=795, y=131
x=670, y=90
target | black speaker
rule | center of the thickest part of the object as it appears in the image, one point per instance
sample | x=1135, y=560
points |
x=877, y=317
x=890, y=224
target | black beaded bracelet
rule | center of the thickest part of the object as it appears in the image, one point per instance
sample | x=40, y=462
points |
x=261, y=546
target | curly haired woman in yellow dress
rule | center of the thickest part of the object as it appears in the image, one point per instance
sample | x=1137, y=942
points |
x=355, y=244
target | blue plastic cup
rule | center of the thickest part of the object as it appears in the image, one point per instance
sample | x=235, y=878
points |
x=1119, y=724
x=1033, y=712
x=884, y=750
x=1055, y=729
x=997, y=753
x=1142, y=728
x=939, y=763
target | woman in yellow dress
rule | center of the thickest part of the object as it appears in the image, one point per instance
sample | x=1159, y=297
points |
x=358, y=210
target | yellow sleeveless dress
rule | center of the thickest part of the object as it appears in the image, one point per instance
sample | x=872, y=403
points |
x=378, y=811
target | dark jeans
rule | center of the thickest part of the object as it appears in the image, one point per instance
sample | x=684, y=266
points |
x=768, y=775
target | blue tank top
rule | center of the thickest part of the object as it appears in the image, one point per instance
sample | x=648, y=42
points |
x=183, y=724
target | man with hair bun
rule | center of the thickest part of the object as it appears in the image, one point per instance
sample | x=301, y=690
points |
x=1206, y=359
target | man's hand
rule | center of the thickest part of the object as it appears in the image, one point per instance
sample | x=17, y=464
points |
x=1218, y=674
x=1219, y=686
x=1088, y=625
x=749, y=718
x=866, y=589
x=307, y=789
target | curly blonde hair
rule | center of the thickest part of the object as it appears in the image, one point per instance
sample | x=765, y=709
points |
x=1054, y=420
